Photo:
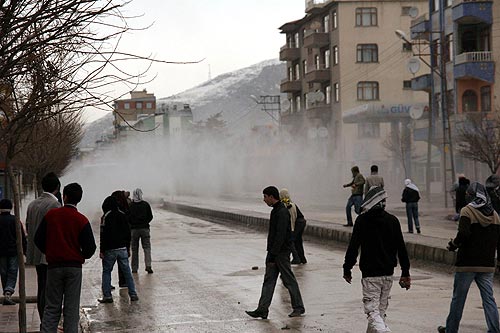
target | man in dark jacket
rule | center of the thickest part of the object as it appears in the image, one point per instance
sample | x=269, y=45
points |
x=9, y=262
x=379, y=236
x=140, y=217
x=65, y=237
x=357, y=184
x=492, y=185
x=278, y=258
x=115, y=247
x=477, y=241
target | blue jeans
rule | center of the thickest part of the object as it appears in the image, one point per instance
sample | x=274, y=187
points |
x=412, y=214
x=461, y=287
x=354, y=200
x=110, y=257
x=8, y=273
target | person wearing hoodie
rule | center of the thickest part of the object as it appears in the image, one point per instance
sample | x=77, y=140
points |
x=411, y=196
x=115, y=247
x=298, y=224
x=9, y=261
x=356, y=184
x=140, y=217
x=492, y=185
x=379, y=236
x=477, y=241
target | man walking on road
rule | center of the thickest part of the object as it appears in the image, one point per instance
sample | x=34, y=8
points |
x=379, y=236
x=278, y=258
x=34, y=215
x=140, y=217
x=66, y=238
x=356, y=185
x=477, y=241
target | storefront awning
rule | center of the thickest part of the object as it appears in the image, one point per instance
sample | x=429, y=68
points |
x=383, y=112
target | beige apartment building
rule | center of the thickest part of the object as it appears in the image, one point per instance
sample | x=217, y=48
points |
x=141, y=103
x=348, y=85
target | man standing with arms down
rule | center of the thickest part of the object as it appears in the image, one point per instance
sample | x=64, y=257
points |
x=356, y=185
x=278, y=258
x=373, y=179
x=34, y=216
x=66, y=238
x=379, y=235
x=140, y=218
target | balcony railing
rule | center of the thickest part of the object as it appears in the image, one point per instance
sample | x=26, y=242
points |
x=290, y=86
x=289, y=53
x=457, y=2
x=314, y=38
x=317, y=73
x=481, y=56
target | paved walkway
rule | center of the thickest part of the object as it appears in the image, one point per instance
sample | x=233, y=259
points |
x=325, y=221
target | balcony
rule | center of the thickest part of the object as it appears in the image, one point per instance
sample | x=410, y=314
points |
x=316, y=39
x=319, y=111
x=475, y=65
x=420, y=28
x=288, y=86
x=421, y=83
x=473, y=11
x=292, y=118
x=288, y=53
x=317, y=73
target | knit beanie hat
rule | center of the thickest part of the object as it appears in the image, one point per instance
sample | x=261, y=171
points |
x=5, y=205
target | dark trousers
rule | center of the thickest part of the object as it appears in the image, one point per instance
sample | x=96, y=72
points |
x=121, y=277
x=356, y=201
x=298, y=255
x=41, y=277
x=63, y=293
x=281, y=265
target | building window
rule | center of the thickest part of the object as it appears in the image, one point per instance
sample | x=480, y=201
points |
x=335, y=55
x=407, y=47
x=435, y=5
x=138, y=105
x=297, y=103
x=326, y=23
x=366, y=17
x=469, y=101
x=328, y=94
x=336, y=92
x=449, y=3
x=149, y=105
x=448, y=48
x=367, y=53
x=334, y=15
x=316, y=62
x=304, y=67
x=297, y=72
x=405, y=11
x=306, y=102
x=486, y=99
x=407, y=84
x=126, y=106
x=368, y=130
x=368, y=91
x=296, y=37
x=290, y=73
x=327, y=58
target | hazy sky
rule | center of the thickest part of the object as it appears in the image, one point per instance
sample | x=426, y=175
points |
x=228, y=34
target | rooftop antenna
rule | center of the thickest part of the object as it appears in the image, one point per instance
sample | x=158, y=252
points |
x=209, y=73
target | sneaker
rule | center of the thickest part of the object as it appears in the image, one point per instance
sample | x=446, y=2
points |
x=257, y=314
x=295, y=262
x=441, y=329
x=418, y=230
x=134, y=298
x=7, y=299
x=105, y=300
x=296, y=313
x=149, y=270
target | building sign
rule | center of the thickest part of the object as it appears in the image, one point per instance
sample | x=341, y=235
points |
x=383, y=112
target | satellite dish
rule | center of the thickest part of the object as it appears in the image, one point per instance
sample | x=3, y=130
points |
x=413, y=12
x=323, y=132
x=285, y=104
x=413, y=65
x=416, y=111
x=320, y=97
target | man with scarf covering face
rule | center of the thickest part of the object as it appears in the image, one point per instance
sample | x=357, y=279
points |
x=380, y=238
x=477, y=241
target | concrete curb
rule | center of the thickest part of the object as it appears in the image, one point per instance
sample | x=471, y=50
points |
x=321, y=231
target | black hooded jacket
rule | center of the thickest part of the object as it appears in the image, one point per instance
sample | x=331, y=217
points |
x=115, y=231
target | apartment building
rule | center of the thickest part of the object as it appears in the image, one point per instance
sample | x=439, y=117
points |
x=471, y=49
x=347, y=80
x=140, y=104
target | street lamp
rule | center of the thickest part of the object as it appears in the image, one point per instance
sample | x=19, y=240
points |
x=447, y=139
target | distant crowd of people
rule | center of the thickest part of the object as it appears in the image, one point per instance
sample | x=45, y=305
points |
x=60, y=239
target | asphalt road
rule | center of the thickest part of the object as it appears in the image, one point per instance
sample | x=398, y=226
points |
x=203, y=282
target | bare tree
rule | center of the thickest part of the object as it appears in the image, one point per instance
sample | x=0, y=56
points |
x=56, y=57
x=400, y=146
x=478, y=138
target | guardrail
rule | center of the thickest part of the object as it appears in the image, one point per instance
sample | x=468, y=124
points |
x=473, y=57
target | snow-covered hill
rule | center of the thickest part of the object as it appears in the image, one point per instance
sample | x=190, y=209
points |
x=228, y=93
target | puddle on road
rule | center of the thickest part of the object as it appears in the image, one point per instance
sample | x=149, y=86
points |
x=246, y=272
x=168, y=260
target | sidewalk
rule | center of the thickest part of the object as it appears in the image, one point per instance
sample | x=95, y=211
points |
x=9, y=314
x=325, y=222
